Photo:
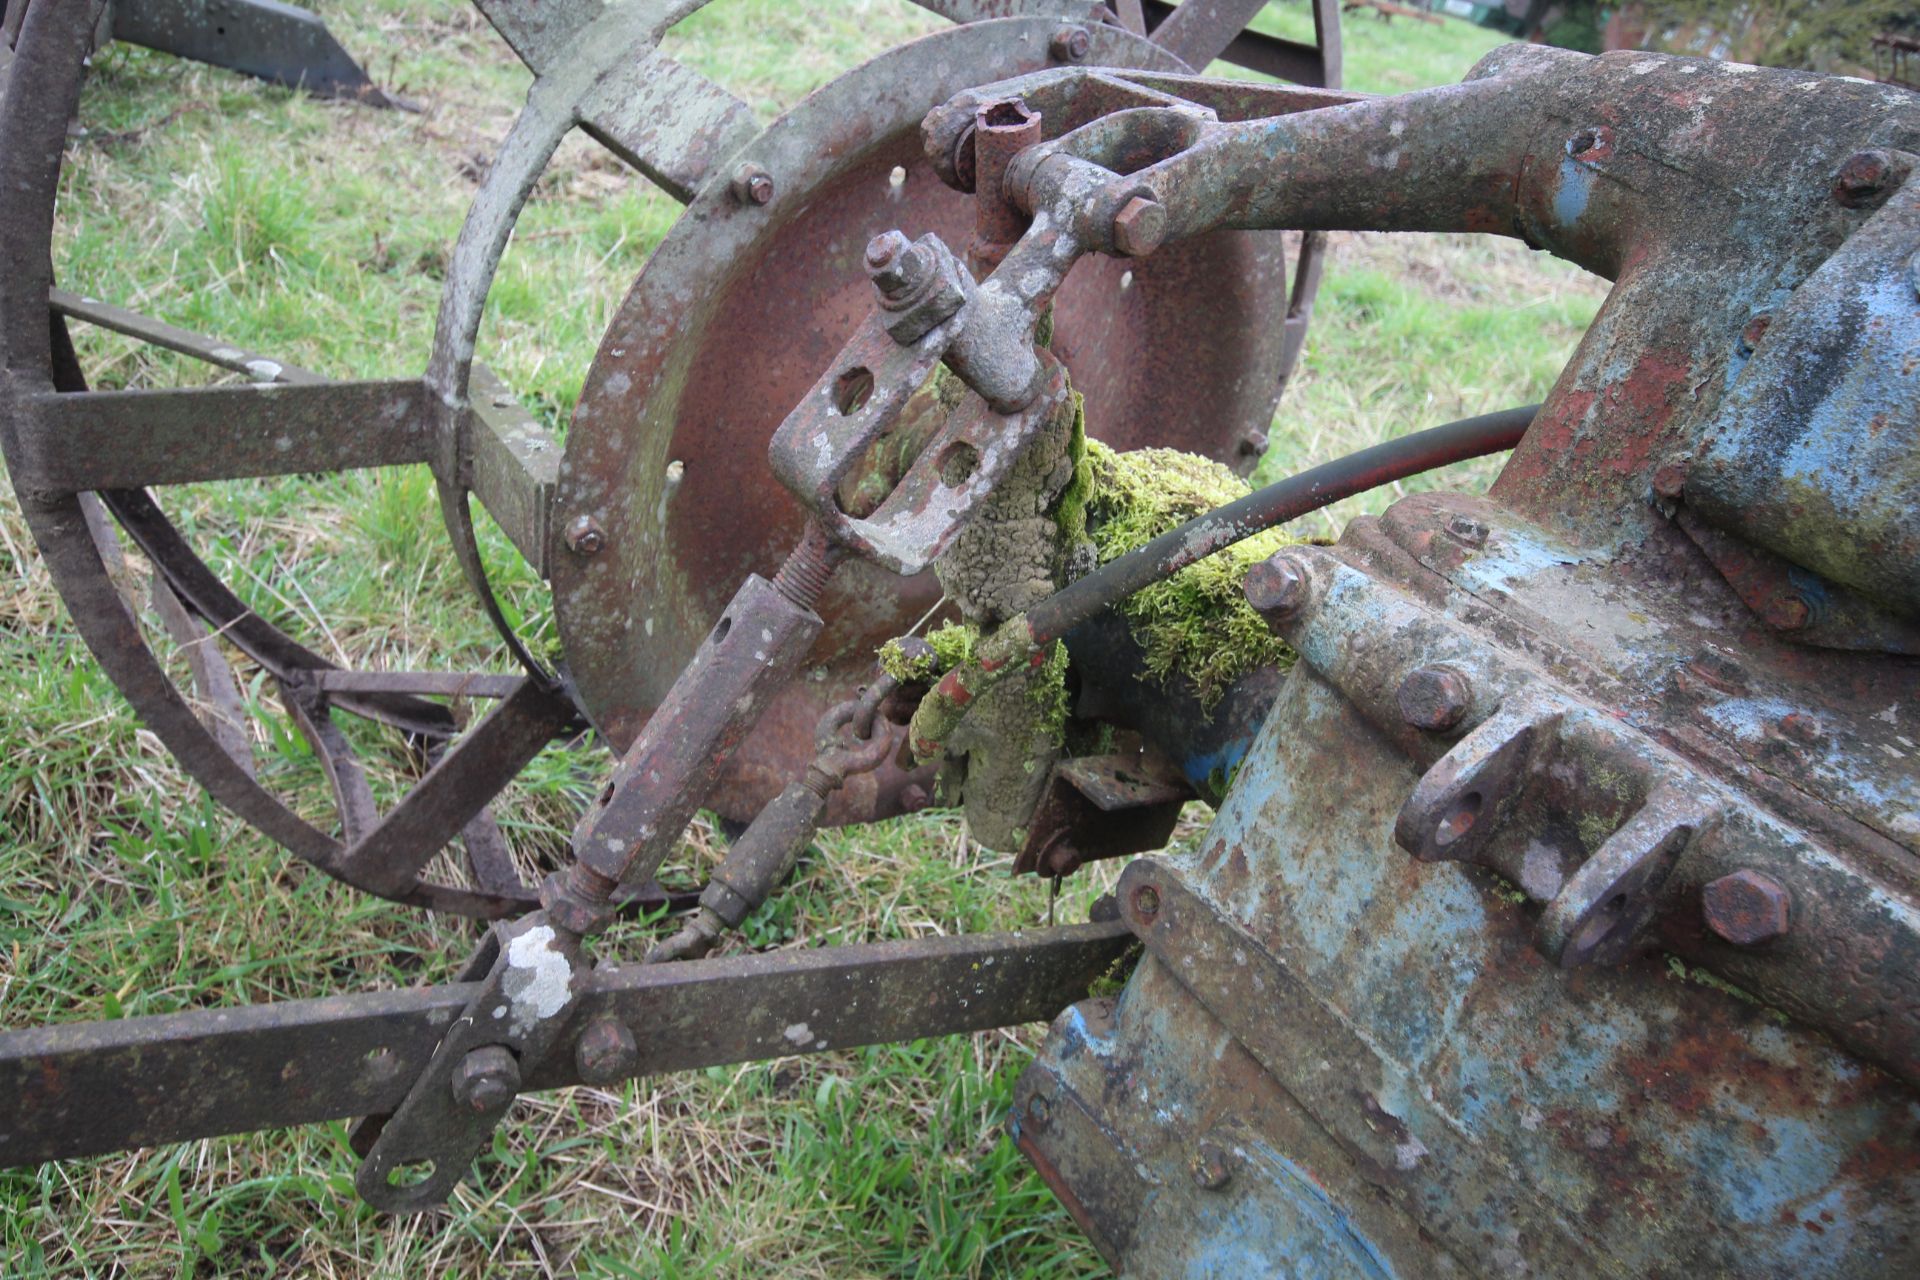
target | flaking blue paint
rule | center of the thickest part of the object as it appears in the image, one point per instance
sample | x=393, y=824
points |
x=1576, y=188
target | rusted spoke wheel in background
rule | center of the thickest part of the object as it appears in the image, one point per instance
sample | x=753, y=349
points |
x=657, y=507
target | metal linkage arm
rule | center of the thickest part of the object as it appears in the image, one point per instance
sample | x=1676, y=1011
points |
x=88, y=1088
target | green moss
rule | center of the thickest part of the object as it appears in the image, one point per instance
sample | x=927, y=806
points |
x=1070, y=510
x=1681, y=971
x=1196, y=625
x=1048, y=692
x=951, y=643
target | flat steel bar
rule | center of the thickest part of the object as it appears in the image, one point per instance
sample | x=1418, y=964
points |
x=1210, y=32
x=465, y=780
x=204, y=594
x=213, y=677
x=90, y=1088
x=263, y=38
x=432, y=684
x=515, y=466
x=214, y=351
x=71, y=443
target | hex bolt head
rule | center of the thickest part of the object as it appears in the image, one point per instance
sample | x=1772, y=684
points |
x=1747, y=908
x=1867, y=176
x=1467, y=531
x=1070, y=44
x=1212, y=1167
x=751, y=184
x=1435, y=698
x=606, y=1051
x=486, y=1079
x=585, y=537
x=1139, y=227
x=1277, y=587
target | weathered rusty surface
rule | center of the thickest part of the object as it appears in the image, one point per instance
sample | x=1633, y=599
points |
x=95, y=1087
x=741, y=309
x=1642, y=1000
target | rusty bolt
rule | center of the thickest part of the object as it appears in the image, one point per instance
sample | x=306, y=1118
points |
x=1212, y=1169
x=1867, y=176
x=1277, y=587
x=1146, y=902
x=1786, y=611
x=1467, y=531
x=751, y=184
x=1039, y=1112
x=897, y=266
x=487, y=1078
x=585, y=536
x=605, y=1051
x=1755, y=330
x=1746, y=908
x=1139, y=227
x=1670, y=477
x=913, y=798
x=1435, y=698
x=1070, y=44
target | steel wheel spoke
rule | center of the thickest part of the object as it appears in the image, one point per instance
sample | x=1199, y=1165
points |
x=392, y=855
x=104, y=315
x=1199, y=31
x=93, y=440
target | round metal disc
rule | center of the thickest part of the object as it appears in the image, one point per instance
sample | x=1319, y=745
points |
x=743, y=305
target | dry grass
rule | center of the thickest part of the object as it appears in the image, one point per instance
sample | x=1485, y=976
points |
x=319, y=232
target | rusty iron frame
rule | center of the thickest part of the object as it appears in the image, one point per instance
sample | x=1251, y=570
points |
x=598, y=69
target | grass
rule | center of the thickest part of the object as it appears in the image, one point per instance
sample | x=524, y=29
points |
x=318, y=232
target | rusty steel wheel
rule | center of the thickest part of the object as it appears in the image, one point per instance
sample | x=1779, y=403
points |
x=654, y=512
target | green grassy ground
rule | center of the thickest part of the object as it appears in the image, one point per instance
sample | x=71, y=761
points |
x=319, y=232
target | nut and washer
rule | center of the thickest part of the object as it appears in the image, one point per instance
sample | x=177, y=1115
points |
x=751, y=184
x=1070, y=44
x=920, y=283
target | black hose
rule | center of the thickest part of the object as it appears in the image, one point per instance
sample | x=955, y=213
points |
x=1276, y=504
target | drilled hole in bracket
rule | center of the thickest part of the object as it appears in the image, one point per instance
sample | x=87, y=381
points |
x=410, y=1174
x=851, y=389
x=958, y=464
x=1459, y=820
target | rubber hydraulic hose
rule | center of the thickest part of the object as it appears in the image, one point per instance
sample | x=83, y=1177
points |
x=1284, y=500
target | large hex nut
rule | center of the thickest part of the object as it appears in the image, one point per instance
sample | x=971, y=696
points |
x=937, y=296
